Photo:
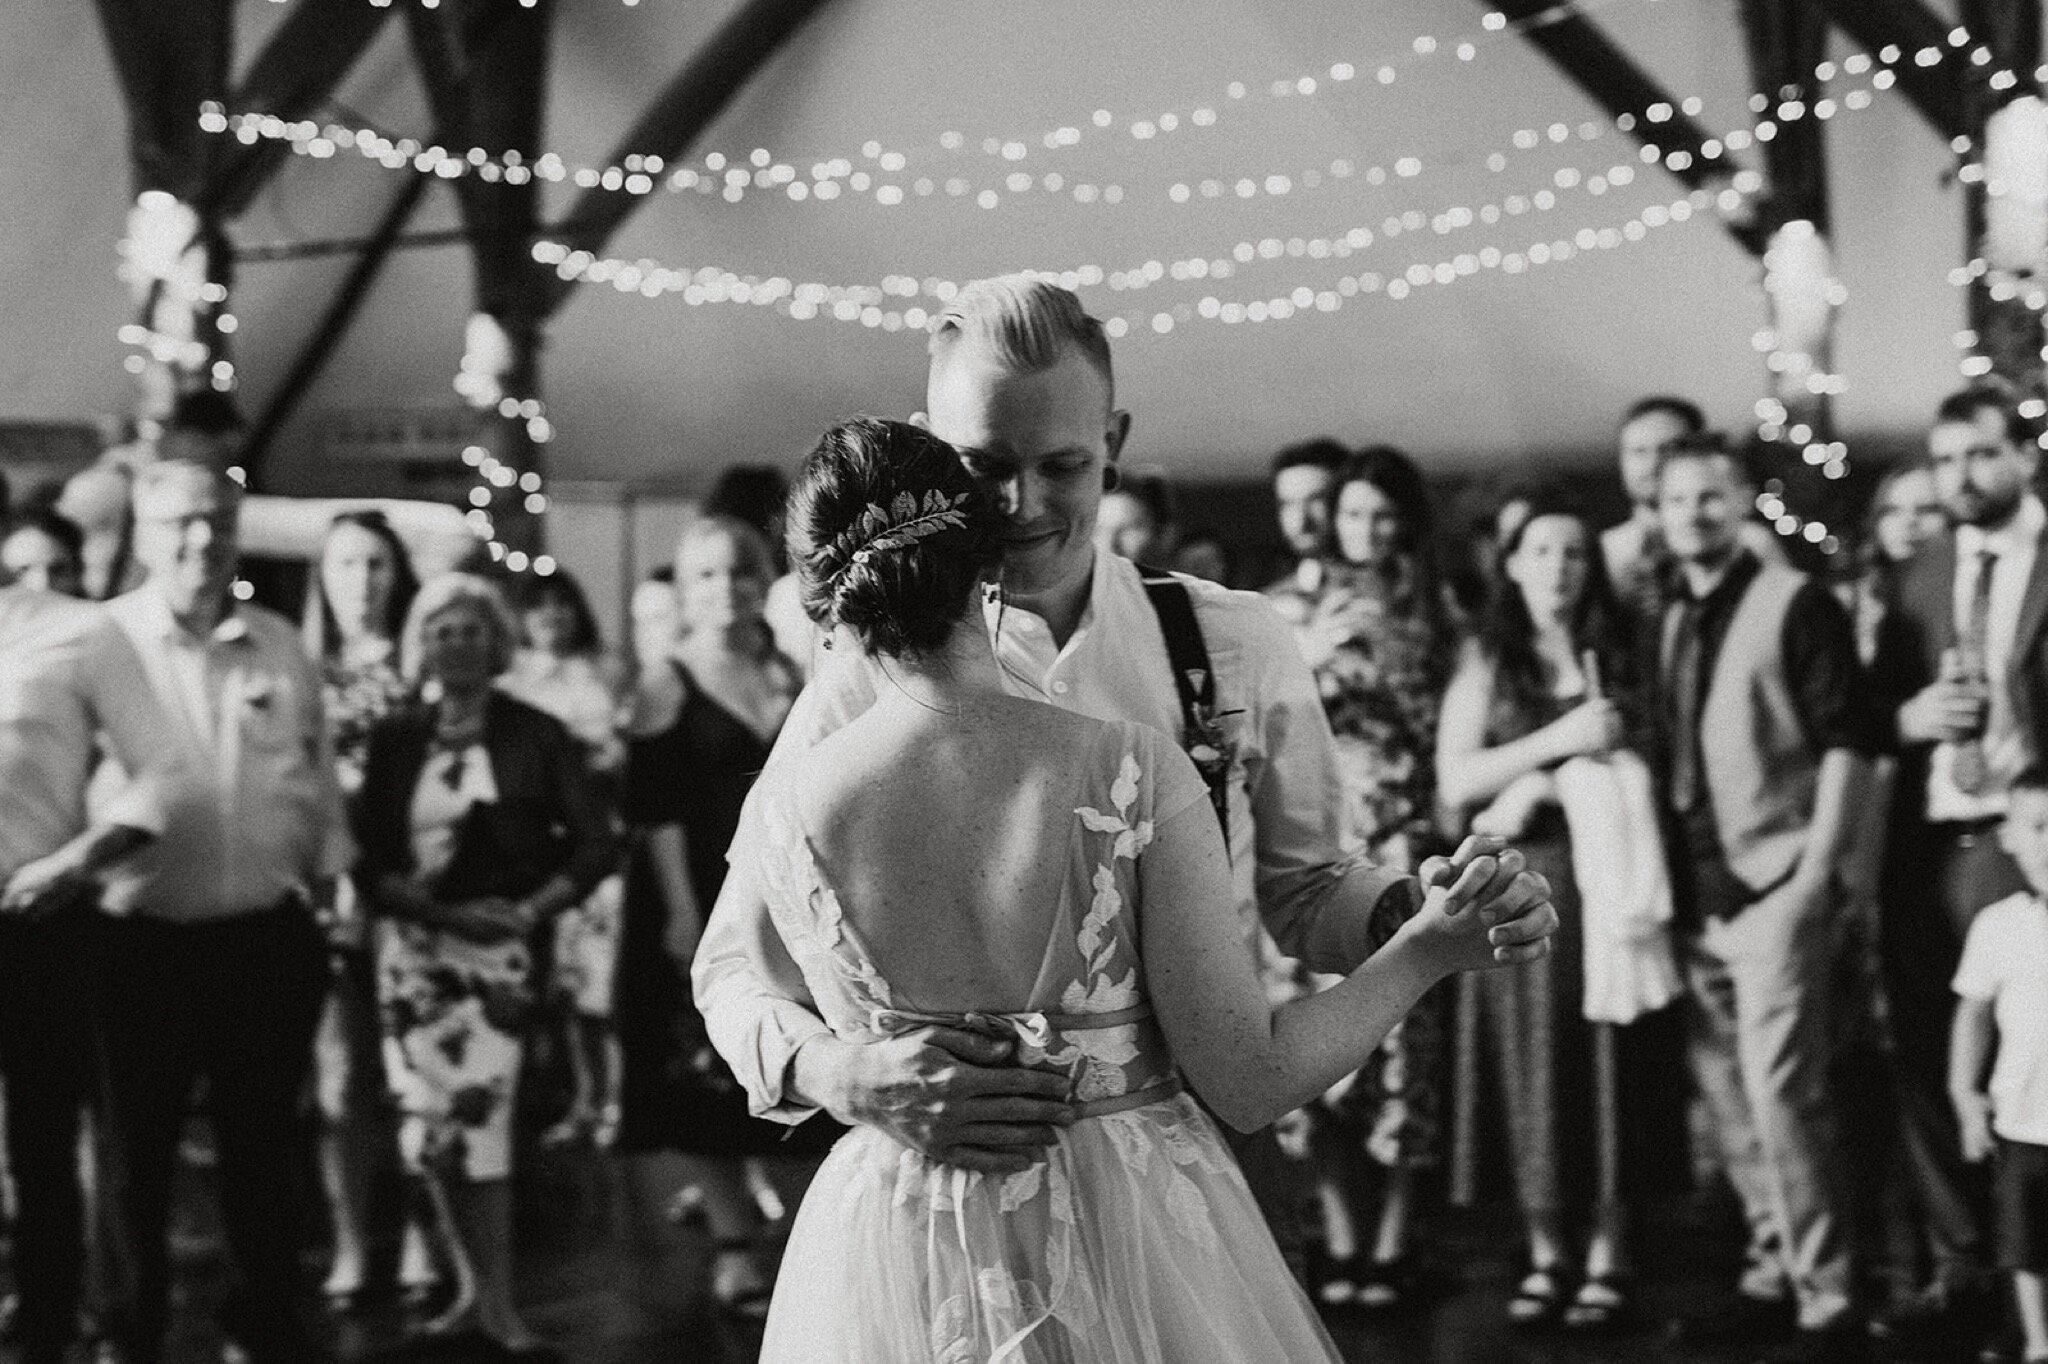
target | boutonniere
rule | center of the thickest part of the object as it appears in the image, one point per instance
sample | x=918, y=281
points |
x=1207, y=745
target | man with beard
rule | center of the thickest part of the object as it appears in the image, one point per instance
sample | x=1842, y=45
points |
x=1964, y=658
x=1304, y=494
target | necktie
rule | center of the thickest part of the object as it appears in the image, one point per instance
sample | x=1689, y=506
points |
x=1968, y=769
x=1685, y=706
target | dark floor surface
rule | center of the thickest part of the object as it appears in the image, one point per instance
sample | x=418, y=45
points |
x=610, y=1290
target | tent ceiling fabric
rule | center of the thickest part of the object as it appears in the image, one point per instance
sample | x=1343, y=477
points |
x=1490, y=368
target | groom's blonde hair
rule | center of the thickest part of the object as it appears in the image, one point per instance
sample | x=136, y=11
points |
x=1026, y=322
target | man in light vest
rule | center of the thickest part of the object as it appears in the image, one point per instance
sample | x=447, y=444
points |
x=1765, y=737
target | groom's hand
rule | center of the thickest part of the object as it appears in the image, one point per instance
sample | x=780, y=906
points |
x=956, y=1097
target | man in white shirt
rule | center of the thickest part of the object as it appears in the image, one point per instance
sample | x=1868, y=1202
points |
x=1962, y=657
x=1020, y=382
x=67, y=678
x=211, y=964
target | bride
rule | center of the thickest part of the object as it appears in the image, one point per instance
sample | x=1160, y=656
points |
x=959, y=856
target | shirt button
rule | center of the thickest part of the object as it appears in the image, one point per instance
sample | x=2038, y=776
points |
x=1059, y=689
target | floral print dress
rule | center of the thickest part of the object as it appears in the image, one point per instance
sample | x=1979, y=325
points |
x=454, y=1010
x=1134, y=1239
x=1381, y=664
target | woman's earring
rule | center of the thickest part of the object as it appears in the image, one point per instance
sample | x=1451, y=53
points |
x=1112, y=478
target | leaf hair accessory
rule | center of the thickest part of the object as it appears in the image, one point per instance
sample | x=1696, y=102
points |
x=902, y=524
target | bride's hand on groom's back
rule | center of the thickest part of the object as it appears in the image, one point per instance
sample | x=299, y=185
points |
x=1483, y=907
x=956, y=1097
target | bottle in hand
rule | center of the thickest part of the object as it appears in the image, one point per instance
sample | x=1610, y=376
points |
x=1967, y=766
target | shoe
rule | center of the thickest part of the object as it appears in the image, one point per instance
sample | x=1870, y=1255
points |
x=1844, y=1343
x=1538, y=1297
x=1333, y=1280
x=1389, y=1286
x=2007, y=1345
x=1737, y=1320
x=1602, y=1304
x=1937, y=1312
x=345, y=1293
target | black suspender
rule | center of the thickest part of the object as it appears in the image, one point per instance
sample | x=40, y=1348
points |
x=1187, y=655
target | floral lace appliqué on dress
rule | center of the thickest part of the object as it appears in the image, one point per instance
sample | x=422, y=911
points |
x=1132, y=1239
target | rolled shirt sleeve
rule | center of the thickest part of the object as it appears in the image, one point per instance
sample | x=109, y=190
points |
x=755, y=1004
x=1311, y=876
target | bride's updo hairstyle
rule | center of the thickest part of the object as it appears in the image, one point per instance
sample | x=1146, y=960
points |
x=889, y=535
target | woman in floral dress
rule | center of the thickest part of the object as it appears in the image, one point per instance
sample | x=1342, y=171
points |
x=478, y=823
x=1381, y=642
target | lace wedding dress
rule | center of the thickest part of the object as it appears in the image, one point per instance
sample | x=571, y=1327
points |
x=1134, y=1239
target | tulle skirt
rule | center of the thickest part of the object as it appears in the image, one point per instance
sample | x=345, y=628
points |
x=1135, y=1240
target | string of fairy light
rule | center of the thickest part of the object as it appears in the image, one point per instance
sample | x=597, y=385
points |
x=732, y=178
x=870, y=306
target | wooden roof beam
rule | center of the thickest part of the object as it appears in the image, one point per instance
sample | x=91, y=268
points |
x=1910, y=26
x=1607, y=75
x=690, y=103
x=300, y=66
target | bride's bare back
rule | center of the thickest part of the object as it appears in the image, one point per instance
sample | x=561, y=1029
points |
x=946, y=839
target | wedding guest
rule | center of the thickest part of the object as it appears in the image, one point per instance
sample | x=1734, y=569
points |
x=754, y=493
x=362, y=584
x=43, y=550
x=479, y=823
x=1304, y=481
x=712, y=712
x=654, y=624
x=1764, y=746
x=1136, y=519
x=2002, y=1109
x=96, y=500
x=1549, y=679
x=1636, y=555
x=1964, y=660
x=1905, y=513
x=211, y=965
x=1202, y=552
x=70, y=681
x=561, y=668
x=1380, y=642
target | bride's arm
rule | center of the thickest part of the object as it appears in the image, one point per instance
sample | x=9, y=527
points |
x=1250, y=1062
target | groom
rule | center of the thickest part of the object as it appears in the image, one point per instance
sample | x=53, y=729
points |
x=1020, y=382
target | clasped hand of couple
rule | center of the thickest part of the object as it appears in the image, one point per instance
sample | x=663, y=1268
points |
x=957, y=1097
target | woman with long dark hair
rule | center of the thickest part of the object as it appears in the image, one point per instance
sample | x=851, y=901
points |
x=361, y=586
x=1380, y=639
x=1547, y=679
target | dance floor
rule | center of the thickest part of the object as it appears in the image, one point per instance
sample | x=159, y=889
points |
x=595, y=1280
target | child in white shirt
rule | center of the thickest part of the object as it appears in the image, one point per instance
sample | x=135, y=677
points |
x=2003, y=984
